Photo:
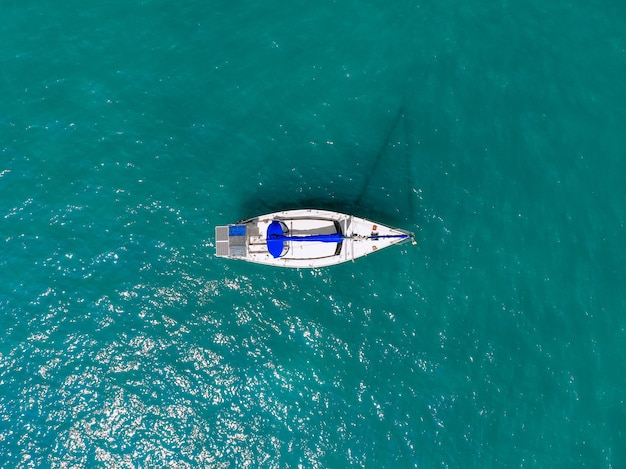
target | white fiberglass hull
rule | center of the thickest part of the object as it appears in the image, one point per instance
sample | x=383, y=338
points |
x=307, y=238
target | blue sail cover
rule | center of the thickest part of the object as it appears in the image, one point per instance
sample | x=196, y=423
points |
x=276, y=238
x=321, y=238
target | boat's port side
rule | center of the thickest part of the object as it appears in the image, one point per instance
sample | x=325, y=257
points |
x=310, y=226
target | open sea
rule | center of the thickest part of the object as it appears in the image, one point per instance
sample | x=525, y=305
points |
x=495, y=130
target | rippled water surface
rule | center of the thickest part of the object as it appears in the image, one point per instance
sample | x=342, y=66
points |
x=495, y=132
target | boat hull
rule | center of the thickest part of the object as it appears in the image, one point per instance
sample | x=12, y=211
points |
x=310, y=238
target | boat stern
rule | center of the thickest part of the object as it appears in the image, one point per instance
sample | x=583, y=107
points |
x=231, y=241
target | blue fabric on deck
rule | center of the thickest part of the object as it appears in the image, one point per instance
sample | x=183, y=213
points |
x=275, y=239
x=237, y=230
x=323, y=238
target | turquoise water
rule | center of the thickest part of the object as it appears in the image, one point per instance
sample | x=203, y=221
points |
x=494, y=130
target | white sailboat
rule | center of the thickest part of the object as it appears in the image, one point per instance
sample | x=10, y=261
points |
x=305, y=238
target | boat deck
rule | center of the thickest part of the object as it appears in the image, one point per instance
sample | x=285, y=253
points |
x=248, y=240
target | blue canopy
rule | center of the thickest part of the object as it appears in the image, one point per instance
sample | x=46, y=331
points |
x=276, y=238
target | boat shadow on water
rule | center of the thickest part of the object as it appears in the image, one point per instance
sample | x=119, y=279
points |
x=381, y=212
x=380, y=189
